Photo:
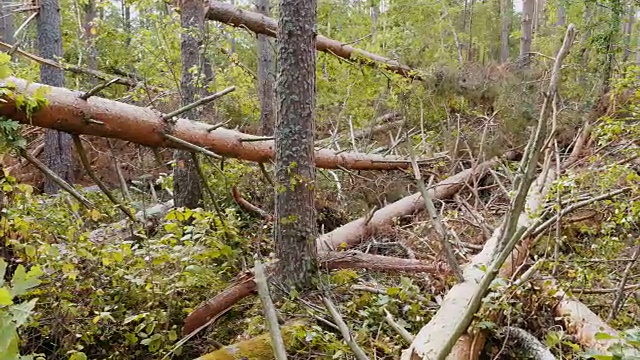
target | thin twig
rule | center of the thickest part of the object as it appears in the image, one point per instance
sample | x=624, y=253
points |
x=197, y=103
x=192, y=146
x=397, y=327
x=344, y=330
x=256, y=139
x=58, y=180
x=98, y=88
x=87, y=167
x=437, y=222
x=625, y=277
x=269, y=312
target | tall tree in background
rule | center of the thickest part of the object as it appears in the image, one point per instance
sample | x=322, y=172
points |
x=506, y=10
x=266, y=76
x=89, y=26
x=526, y=30
x=187, y=189
x=6, y=22
x=295, y=225
x=57, y=145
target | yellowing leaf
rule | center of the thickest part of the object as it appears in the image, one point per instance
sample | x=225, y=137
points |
x=5, y=296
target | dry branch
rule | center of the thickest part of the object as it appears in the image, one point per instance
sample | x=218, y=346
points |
x=344, y=330
x=260, y=24
x=75, y=69
x=269, y=312
x=111, y=119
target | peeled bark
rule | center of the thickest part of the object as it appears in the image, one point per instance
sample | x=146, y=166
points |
x=430, y=339
x=583, y=323
x=58, y=145
x=266, y=76
x=348, y=236
x=261, y=24
x=187, y=186
x=144, y=126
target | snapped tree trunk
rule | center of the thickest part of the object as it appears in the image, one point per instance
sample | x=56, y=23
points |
x=6, y=22
x=112, y=119
x=187, y=187
x=295, y=230
x=266, y=76
x=526, y=29
x=58, y=145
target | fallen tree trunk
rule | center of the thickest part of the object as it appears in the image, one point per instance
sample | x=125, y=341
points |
x=531, y=347
x=427, y=344
x=246, y=285
x=257, y=348
x=260, y=24
x=347, y=236
x=102, y=117
x=583, y=323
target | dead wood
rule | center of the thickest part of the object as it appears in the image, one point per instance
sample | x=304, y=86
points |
x=246, y=285
x=257, y=348
x=530, y=346
x=97, y=116
x=77, y=69
x=260, y=24
x=249, y=207
x=581, y=322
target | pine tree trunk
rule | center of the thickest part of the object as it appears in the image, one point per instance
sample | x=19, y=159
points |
x=628, y=30
x=58, y=145
x=90, y=37
x=295, y=230
x=187, y=187
x=506, y=10
x=6, y=22
x=526, y=29
x=561, y=16
x=266, y=76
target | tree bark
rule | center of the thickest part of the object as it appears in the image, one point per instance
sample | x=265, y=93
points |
x=295, y=230
x=506, y=10
x=90, y=36
x=628, y=30
x=144, y=126
x=526, y=29
x=261, y=24
x=187, y=187
x=6, y=22
x=266, y=76
x=58, y=145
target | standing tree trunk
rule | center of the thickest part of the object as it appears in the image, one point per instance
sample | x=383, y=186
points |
x=628, y=30
x=506, y=9
x=57, y=145
x=90, y=37
x=187, y=189
x=561, y=15
x=295, y=230
x=526, y=29
x=266, y=76
x=6, y=22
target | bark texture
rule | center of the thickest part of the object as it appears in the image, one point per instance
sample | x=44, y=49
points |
x=67, y=112
x=6, y=22
x=187, y=187
x=58, y=145
x=295, y=230
x=266, y=76
x=506, y=9
x=526, y=28
x=260, y=24
x=90, y=32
